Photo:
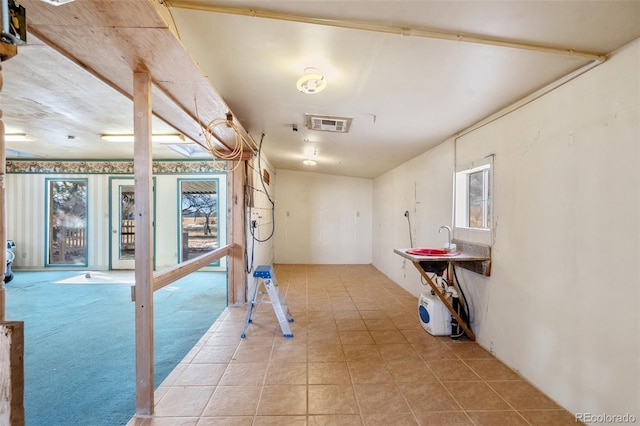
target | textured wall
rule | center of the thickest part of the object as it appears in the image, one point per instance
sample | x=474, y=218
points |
x=562, y=303
x=322, y=219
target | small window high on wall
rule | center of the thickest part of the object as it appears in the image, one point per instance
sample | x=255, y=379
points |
x=473, y=208
x=67, y=222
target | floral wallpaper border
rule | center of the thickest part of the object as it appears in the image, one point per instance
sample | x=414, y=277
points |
x=112, y=167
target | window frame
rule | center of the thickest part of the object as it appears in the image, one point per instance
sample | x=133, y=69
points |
x=48, y=209
x=462, y=203
x=219, y=241
x=485, y=202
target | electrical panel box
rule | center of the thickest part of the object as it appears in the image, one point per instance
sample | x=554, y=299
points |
x=17, y=21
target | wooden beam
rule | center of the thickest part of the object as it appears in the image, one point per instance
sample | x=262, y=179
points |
x=174, y=273
x=245, y=155
x=12, y=373
x=224, y=146
x=11, y=332
x=143, y=191
x=8, y=51
x=236, y=274
x=81, y=28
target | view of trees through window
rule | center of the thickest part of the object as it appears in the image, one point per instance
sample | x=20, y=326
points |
x=479, y=205
x=67, y=222
x=199, y=217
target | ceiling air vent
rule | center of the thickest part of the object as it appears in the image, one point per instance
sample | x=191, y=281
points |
x=328, y=123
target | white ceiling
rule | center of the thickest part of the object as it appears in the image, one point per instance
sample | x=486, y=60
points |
x=405, y=93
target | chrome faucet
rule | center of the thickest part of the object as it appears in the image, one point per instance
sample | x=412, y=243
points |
x=448, y=232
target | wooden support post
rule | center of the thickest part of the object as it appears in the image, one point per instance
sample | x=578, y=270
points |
x=12, y=373
x=143, y=184
x=236, y=275
x=3, y=222
x=12, y=332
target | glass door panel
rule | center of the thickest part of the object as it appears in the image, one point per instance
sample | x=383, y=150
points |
x=123, y=228
x=198, y=217
x=67, y=236
x=127, y=223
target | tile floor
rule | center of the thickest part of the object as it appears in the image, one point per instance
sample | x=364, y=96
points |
x=358, y=357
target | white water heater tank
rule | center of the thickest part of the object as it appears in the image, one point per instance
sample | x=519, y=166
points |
x=434, y=315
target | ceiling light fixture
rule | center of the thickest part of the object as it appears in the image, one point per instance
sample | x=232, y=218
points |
x=170, y=138
x=57, y=2
x=309, y=163
x=18, y=137
x=311, y=82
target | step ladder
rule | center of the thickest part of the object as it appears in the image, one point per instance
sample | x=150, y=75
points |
x=264, y=274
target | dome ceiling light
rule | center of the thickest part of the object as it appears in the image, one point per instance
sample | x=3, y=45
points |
x=311, y=82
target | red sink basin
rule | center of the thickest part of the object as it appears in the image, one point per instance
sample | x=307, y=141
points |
x=424, y=251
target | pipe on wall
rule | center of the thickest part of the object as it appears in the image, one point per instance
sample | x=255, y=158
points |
x=387, y=29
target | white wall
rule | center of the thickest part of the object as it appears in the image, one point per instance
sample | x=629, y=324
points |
x=260, y=240
x=424, y=187
x=322, y=219
x=562, y=303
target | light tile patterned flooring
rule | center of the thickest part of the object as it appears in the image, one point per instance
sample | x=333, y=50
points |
x=358, y=357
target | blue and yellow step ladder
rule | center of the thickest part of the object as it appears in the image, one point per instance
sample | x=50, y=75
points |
x=264, y=274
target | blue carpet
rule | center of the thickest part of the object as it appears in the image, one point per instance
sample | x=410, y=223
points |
x=79, y=359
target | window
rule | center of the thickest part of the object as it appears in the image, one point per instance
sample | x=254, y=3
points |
x=473, y=196
x=67, y=222
x=479, y=204
x=198, y=217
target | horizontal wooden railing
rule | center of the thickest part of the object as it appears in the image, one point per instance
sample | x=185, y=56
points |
x=174, y=273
